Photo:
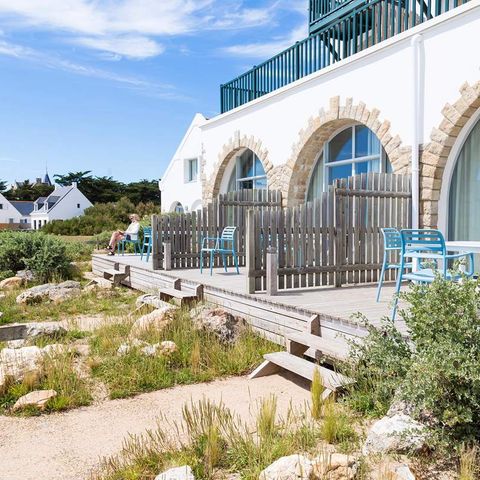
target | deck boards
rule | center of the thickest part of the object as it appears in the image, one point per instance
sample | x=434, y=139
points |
x=275, y=316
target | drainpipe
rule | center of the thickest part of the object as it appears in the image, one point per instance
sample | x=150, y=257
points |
x=416, y=119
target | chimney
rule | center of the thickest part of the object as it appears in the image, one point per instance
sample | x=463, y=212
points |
x=74, y=184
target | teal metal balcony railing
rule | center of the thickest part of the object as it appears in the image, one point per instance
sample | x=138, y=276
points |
x=324, y=12
x=363, y=27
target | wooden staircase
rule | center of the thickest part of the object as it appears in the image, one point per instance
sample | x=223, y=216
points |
x=178, y=296
x=293, y=359
x=117, y=275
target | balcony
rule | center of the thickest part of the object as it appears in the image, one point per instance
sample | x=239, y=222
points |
x=341, y=29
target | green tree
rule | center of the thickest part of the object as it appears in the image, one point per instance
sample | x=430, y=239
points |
x=3, y=185
x=143, y=191
x=69, y=178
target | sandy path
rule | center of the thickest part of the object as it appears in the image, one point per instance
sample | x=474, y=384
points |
x=67, y=446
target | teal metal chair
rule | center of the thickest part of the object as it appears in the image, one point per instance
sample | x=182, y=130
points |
x=131, y=239
x=223, y=245
x=392, y=243
x=146, y=243
x=425, y=246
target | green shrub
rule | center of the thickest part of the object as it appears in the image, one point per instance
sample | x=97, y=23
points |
x=46, y=256
x=101, y=217
x=437, y=369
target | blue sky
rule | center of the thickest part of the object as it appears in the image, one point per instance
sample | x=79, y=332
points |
x=111, y=85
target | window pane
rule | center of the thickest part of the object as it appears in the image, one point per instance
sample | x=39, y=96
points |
x=246, y=164
x=465, y=191
x=245, y=184
x=342, y=171
x=366, y=142
x=258, y=167
x=340, y=148
x=366, y=167
x=261, y=183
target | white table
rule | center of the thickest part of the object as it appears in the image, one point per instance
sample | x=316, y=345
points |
x=463, y=246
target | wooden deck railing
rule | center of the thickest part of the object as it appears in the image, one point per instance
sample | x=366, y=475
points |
x=335, y=240
x=366, y=24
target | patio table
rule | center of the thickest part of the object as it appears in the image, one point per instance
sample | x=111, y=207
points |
x=463, y=246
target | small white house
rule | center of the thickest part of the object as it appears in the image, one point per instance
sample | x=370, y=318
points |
x=63, y=203
x=13, y=213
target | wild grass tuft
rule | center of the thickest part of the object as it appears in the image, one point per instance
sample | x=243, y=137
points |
x=213, y=441
x=316, y=392
x=200, y=357
x=337, y=425
x=469, y=463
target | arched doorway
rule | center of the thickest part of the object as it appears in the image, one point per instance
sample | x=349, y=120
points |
x=177, y=207
x=245, y=171
x=350, y=151
x=464, y=186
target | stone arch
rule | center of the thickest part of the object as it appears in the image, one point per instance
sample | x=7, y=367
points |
x=319, y=130
x=436, y=153
x=234, y=145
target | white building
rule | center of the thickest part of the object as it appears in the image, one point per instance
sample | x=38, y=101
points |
x=63, y=203
x=373, y=88
x=14, y=213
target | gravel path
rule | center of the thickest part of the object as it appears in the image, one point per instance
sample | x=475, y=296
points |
x=67, y=446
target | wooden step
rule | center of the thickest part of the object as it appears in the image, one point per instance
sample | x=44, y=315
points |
x=178, y=296
x=299, y=342
x=284, y=360
x=116, y=276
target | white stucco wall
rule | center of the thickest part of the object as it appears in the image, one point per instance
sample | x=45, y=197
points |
x=174, y=185
x=381, y=77
x=8, y=211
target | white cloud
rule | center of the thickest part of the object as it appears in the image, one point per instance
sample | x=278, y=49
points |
x=153, y=89
x=126, y=46
x=265, y=50
x=126, y=27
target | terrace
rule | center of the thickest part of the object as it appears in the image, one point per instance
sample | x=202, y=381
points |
x=338, y=29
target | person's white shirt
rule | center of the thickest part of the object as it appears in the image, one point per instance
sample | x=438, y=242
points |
x=133, y=228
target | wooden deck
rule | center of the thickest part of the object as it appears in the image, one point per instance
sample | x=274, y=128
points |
x=275, y=316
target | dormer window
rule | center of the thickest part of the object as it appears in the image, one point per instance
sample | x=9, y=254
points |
x=78, y=205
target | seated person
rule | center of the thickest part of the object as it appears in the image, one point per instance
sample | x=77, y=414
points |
x=131, y=233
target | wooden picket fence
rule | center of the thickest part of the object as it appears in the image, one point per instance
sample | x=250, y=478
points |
x=179, y=236
x=335, y=240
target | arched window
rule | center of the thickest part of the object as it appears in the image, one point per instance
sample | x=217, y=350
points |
x=248, y=173
x=177, y=207
x=353, y=150
x=464, y=198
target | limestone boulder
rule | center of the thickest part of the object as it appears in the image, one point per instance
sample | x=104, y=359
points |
x=398, y=433
x=150, y=299
x=293, y=467
x=54, y=350
x=17, y=343
x=225, y=326
x=11, y=283
x=26, y=275
x=16, y=363
x=177, y=473
x=44, y=329
x=334, y=466
x=50, y=291
x=37, y=398
x=157, y=320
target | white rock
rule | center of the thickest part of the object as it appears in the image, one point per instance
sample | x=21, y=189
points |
x=158, y=319
x=56, y=293
x=54, y=349
x=2, y=295
x=150, y=350
x=37, y=398
x=123, y=349
x=399, y=433
x=46, y=329
x=35, y=294
x=11, y=283
x=149, y=299
x=403, y=472
x=16, y=343
x=167, y=347
x=18, y=362
x=293, y=467
x=218, y=321
x=177, y=473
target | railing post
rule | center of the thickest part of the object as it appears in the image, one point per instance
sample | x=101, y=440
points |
x=272, y=271
x=156, y=244
x=167, y=255
x=250, y=251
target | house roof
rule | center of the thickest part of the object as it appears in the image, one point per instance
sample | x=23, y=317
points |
x=23, y=207
x=54, y=199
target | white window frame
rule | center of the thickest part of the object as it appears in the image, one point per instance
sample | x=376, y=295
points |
x=239, y=180
x=188, y=177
